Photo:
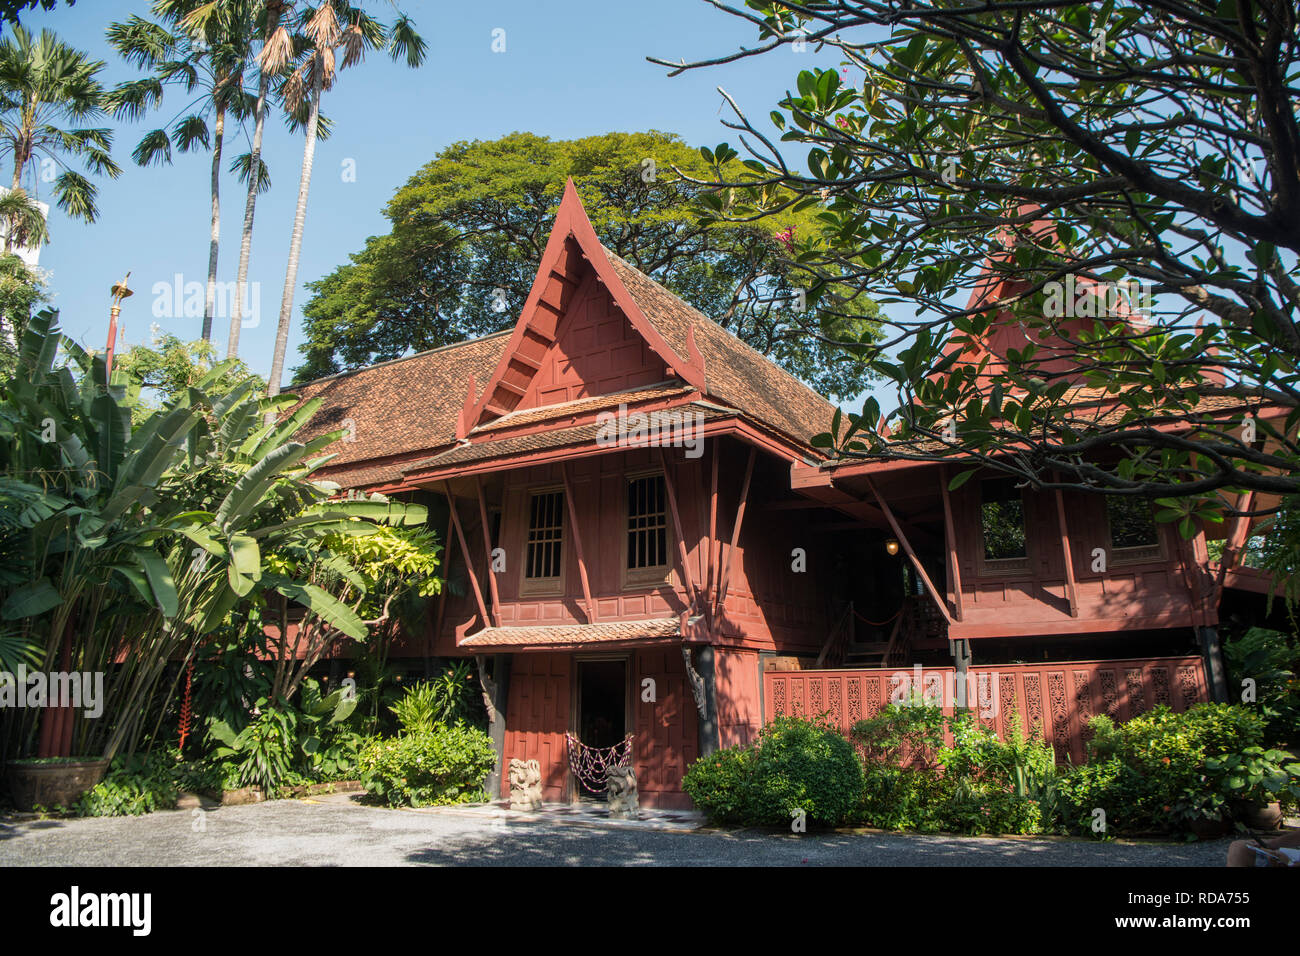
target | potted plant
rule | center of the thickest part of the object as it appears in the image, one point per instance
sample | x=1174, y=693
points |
x=1253, y=780
x=52, y=781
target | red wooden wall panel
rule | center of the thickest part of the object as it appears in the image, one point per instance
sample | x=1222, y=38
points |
x=596, y=352
x=667, y=729
x=537, y=718
x=739, y=703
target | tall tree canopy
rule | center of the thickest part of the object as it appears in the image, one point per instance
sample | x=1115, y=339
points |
x=475, y=220
x=1044, y=143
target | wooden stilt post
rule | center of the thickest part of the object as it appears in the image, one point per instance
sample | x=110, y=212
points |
x=487, y=551
x=713, y=560
x=735, y=532
x=1071, y=585
x=469, y=561
x=589, y=606
x=954, y=568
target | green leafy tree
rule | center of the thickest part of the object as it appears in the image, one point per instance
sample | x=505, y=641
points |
x=20, y=290
x=476, y=219
x=1115, y=145
x=10, y=9
x=47, y=90
x=161, y=371
x=128, y=545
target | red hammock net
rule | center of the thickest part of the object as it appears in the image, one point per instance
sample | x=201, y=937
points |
x=588, y=764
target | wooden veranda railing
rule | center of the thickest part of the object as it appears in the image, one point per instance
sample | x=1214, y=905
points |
x=1057, y=698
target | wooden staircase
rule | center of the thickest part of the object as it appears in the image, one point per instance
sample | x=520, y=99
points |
x=855, y=642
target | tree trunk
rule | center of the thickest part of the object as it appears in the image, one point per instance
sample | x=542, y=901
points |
x=18, y=178
x=295, y=244
x=215, y=239
x=250, y=203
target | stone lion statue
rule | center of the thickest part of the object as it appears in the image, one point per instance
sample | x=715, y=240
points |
x=620, y=790
x=525, y=784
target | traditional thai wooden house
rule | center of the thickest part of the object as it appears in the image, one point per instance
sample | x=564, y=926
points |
x=643, y=542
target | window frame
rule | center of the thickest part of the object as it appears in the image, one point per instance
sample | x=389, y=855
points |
x=530, y=586
x=655, y=575
x=1135, y=553
x=1003, y=567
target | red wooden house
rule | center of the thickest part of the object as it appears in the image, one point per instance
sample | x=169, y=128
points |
x=646, y=542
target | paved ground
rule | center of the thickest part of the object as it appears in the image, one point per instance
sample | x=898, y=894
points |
x=335, y=831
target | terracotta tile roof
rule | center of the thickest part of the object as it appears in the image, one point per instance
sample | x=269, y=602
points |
x=735, y=372
x=409, y=405
x=404, y=412
x=564, y=634
x=536, y=441
x=584, y=406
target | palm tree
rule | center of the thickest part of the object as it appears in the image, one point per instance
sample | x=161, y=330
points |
x=211, y=59
x=330, y=27
x=275, y=55
x=45, y=85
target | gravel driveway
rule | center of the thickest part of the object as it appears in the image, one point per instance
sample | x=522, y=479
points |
x=336, y=831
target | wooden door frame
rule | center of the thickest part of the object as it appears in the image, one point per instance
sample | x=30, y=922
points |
x=571, y=787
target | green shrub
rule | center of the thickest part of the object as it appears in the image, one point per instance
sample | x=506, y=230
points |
x=718, y=784
x=1163, y=771
x=441, y=765
x=928, y=801
x=909, y=734
x=263, y=753
x=133, y=786
x=442, y=700
x=796, y=764
x=1271, y=659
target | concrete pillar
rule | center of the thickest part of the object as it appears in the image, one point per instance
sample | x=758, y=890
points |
x=1215, y=673
x=497, y=691
x=706, y=667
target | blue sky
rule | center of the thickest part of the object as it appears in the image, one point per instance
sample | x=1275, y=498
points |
x=570, y=68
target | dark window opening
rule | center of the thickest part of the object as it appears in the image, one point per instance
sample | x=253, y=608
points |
x=545, y=535
x=1002, y=518
x=647, y=523
x=1132, y=524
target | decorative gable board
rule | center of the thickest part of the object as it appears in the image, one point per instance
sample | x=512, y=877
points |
x=572, y=260
x=596, y=351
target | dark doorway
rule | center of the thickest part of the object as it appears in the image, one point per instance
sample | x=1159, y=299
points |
x=602, y=702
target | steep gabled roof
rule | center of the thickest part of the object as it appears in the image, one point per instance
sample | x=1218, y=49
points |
x=697, y=349
x=734, y=372
x=571, y=250
x=410, y=410
x=398, y=410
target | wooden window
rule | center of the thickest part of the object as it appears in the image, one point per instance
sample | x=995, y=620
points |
x=1133, y=532
x=1002, y=523
x=647, y=523
x=545, y=536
